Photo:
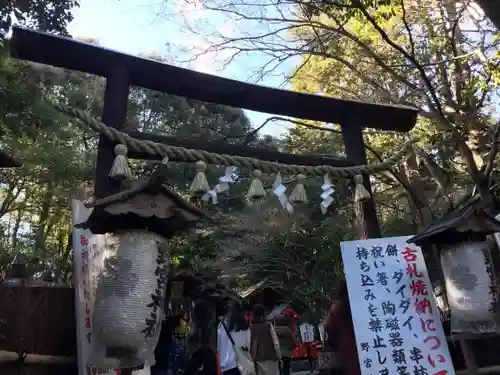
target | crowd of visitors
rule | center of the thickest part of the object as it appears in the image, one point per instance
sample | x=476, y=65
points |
x=261, y=347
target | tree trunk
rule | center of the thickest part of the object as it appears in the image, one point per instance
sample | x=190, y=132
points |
x=17, y=225
x=43, y=217
x=419, y=187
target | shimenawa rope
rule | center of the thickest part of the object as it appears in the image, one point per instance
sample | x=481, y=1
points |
x=190, y=155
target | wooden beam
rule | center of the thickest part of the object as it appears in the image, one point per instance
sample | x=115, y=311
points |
x=71, y=54
x=219, y=147
x=114, y=114
x=470, y=360
x=366, y=213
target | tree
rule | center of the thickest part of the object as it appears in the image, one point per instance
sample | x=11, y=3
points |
x=59, y=155
x=434, y=55
x=416, y=53
x=50, y=16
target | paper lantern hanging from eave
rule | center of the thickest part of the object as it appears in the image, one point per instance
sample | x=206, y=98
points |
x=130, y=296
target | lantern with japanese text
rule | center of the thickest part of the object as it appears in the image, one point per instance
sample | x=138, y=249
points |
x=129, y=304
x=461, y=240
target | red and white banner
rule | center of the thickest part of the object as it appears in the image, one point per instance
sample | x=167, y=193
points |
x=88, y=256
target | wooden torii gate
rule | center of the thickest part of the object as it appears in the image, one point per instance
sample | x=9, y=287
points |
x=123, y=71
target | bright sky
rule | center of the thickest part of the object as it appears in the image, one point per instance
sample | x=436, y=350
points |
x=133, y=26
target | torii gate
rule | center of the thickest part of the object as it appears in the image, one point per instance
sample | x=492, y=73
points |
x=122, y=71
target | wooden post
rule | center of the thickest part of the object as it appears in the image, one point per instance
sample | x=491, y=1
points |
x=366, y=213
x=114, y=114
x=470, y=361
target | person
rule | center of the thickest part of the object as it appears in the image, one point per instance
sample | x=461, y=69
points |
x=264, y=345
x=340, y=331
x=204, y=359
x=287, y=343
x=169, y=352
x=237, y=326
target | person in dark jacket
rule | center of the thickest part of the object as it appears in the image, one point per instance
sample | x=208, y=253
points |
x=264, y=344
x=204, y=359
x=340, y=330
x=287, y=343
x=169, y=352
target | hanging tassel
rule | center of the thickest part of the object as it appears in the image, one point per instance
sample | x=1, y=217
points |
x=360, y=192
x=256, y=190
x=299, y=193
x=200, y=183
x=120, y=169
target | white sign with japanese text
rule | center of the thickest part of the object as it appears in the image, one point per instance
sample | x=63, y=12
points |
x=88, y=258
x=396, y=322
x=321, y=330
x=307, y=332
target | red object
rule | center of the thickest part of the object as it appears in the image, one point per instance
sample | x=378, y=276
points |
x=218, y=364
x=339, y=327
x=306, y=349
x=303, y=349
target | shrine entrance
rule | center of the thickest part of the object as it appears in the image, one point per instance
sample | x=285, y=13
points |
x=122, y=71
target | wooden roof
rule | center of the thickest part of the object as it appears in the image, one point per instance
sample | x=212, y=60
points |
x=199, y=287
x=71, y=54
x=263, y=287
x=113, y=213
x=252, y=289
x=467, y=222
x=152, y=185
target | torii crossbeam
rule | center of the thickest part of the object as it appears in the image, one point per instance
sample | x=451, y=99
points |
x=123, y=71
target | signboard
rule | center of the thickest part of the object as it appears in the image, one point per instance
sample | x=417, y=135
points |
x=396, y=322
x=307, y=332
x=322, y=332
x=88, y=257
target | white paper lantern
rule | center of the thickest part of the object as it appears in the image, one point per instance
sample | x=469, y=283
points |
x=468, y=287
x=129, y=302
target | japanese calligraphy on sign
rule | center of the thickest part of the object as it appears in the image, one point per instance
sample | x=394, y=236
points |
x=322, y=332
x=306, y=332
x=87, y=262
x=397, y=326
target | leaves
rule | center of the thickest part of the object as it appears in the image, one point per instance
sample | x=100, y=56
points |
x=50, y=16
x=59, y=157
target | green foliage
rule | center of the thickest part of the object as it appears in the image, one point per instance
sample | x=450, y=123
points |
x=388, y=51
x=59, y=156
x=45, y=15
x=380, y=51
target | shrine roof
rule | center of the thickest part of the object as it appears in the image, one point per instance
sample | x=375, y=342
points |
x=197, y=284
x=153, y=185
x=148, y=204
x=466, y=222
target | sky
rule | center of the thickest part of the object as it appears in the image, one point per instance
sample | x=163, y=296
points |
x=136, y=27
